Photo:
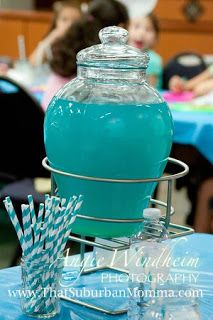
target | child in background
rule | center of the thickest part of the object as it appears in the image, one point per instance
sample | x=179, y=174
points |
x=109, y=13
x=5, y=64
x=65, y=13
x=63, y=64
x=82, y=34
x=199, y=85
x=143, y=34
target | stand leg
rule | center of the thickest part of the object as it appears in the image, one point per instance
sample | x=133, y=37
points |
x=169, y=203
x=53, y=186
x=82, y=254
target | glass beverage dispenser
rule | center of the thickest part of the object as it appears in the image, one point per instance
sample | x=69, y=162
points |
x=108, y=123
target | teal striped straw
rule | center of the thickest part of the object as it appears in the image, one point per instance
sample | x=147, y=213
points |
x=28, y=236
x=37, y=230
x=73, y=217
x=43, y=240
x=13, y=217
x=65, y=230
x=32, y=211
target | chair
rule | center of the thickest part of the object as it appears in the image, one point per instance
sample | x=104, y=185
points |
x=185, y=64
x=200, y=169
x=21, y=131
x=21, y=143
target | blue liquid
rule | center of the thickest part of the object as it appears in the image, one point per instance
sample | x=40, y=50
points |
x=108, y=141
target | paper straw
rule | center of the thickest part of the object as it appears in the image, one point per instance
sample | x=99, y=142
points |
x=37, y=230
x=32, y=210
x=48, y=277
x=56, y=231
x=40, y=246
x=13, y=217
x=63, y=217
x=63, y=202
x=56, y=210
x=35, y=275
x=28, y=236
x=15, y=222
x=43, y=240
x=59, y=238
x=48, y=202
x=71, y=204
x=58, y=250
x=49, y=234
x=74, y=213
x=44, y=233
x=41, y=255
x=59, y=220
x=65, y=231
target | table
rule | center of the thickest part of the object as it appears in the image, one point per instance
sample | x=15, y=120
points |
x=193, y=121
x=196, y=129
x=198, y=246
x=193, y=143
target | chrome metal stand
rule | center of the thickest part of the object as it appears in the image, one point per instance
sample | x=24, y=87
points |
x=118, y=244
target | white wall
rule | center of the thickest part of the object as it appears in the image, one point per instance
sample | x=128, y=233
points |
x=17, y=4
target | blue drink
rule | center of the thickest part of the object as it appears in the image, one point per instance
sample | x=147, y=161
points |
x=116, y=141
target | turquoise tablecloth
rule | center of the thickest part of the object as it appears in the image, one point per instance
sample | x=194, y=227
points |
x=198, y=245
x=196, y=129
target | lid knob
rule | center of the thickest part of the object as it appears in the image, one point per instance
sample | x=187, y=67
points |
x=113, y=35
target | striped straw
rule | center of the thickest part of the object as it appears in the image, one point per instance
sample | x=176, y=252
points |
x=65, y=229
x=28, y=237
x=48, y=202
x=44, y=233
x=63, y=202
x=74, y=213
x=13, y=217
x=32, y=210
x=43, y=240
x=37, y=230
x=58, y=249
x=63, y=216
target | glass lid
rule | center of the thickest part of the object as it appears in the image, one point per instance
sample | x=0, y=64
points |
x=113, y=52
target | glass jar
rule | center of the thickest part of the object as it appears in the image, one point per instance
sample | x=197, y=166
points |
x=110, y=123
x=40, y=285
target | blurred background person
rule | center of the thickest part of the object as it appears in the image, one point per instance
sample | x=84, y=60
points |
x=109, y=13
x=199, y=85
x=5, y=64
x=65, y=14
x=82, y=34
x=144, y=34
